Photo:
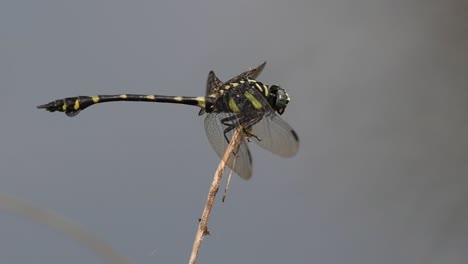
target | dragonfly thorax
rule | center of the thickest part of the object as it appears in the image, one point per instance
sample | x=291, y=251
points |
x=247, y=94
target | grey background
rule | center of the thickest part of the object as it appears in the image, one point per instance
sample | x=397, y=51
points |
x=378, y=99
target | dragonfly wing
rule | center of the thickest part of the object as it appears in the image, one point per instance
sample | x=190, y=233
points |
x=276, y=136
x=251, y=74
x=213, y=83
x=241, y=160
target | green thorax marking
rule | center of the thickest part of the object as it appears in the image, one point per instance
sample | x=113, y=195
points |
x=238, y=96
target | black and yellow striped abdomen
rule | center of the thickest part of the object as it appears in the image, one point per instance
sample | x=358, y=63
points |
x=73, y=105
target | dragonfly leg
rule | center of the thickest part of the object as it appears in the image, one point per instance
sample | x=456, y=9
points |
x=248, y=127
x=226, y=131
x=230, y=122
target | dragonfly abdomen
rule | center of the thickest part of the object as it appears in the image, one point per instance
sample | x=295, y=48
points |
x=73, y=105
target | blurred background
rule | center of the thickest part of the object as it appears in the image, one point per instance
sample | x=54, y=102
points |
x=378, y=93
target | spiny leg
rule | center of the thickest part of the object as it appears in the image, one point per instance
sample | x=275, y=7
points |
x=230, y=122
x=246, y=122
x=249, y=122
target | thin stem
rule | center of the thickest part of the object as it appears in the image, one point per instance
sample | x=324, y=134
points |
x=203, y=224
x=59, y=223
x=229, y=179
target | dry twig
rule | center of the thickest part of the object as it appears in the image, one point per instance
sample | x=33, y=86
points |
x=203, y=224
x=59, y=223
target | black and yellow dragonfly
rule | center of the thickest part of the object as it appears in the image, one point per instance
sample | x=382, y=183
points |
x=240, y=102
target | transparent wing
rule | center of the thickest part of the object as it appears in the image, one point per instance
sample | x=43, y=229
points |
x=251, y=74
x=276, y=136
x=240, y=161
x=213, y=83
x=271, y=132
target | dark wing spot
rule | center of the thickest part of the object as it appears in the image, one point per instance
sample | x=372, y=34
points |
x=295, y=135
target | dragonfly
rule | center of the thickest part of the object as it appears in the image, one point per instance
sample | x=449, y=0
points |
x=240, y=103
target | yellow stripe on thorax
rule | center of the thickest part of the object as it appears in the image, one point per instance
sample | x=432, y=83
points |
x=259, y=87
x=267, y=90
x=233, y=106
x=256, y=103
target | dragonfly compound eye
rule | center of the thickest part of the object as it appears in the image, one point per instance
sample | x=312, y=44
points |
x=279, y=98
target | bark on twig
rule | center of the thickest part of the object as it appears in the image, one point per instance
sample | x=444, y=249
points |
x=203, y=224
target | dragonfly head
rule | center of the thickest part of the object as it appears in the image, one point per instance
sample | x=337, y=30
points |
x=278, y=98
